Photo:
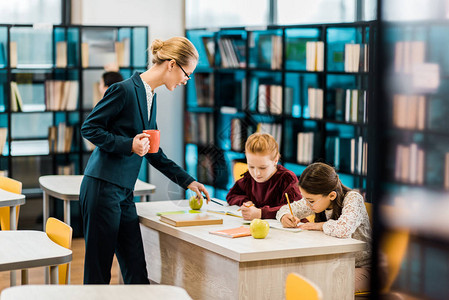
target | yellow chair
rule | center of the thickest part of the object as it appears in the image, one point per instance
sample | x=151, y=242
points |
x=13, y=186
x=238, y=170
x=300, y=288
x=393, y=245
x=369, y=210
x=60, y=233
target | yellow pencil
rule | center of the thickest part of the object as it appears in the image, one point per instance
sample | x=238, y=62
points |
x=289, y=206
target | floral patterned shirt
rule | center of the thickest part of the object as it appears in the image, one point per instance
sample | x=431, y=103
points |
x=353, y=222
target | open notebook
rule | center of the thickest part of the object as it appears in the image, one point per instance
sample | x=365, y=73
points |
x=277, y=225
x=232, y=210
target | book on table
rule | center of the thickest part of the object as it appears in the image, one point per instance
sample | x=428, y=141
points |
x=233, y=232
x=232, y=210
x=179, y=220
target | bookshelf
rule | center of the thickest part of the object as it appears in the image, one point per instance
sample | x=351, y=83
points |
x=413, y=178
x=47, y=88
x=307, y=85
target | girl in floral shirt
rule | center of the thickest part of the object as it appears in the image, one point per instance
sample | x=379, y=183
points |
x=339, y=212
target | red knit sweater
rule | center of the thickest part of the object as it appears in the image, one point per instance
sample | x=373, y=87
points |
x=269, y=196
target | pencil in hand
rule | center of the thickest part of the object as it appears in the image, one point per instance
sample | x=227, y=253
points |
x=245, y=206
x=289, y=206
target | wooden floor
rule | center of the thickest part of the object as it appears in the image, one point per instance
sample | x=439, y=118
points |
x=36, y=275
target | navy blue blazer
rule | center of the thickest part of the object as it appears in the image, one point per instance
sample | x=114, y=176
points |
x=112, y=125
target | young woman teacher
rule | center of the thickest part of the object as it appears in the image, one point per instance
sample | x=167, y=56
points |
x=115, y=126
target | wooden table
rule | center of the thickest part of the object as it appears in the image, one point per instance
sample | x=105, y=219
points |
x=24, y=249
x=214, y=267
x=67, y=188
x=95, y=292
x=11, y=200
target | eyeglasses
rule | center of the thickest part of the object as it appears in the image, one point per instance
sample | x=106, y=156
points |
x=314, y=202
x=185, y=73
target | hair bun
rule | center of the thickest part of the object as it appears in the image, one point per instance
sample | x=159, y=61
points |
x=156, y=46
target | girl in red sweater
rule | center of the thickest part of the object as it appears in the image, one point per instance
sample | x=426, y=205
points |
x=261, y=191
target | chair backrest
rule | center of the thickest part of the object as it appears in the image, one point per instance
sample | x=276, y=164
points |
x=238, y=170
x=300, y=288
x=393, y=246
x=369, y=210
x=60, y=233
x=13, y=186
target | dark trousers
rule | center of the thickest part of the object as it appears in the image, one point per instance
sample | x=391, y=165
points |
x=111, y=225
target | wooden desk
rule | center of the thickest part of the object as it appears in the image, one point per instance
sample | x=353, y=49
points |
x=95, y=292
x=11, y=200
x=214, y=267
x=67, y=188
x=24, y=249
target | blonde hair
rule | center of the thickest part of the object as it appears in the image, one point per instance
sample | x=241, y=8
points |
x=262, y=143
x=178, y=48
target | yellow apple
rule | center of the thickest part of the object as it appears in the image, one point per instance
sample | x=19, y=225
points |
x=195, y=202
x=259, y=228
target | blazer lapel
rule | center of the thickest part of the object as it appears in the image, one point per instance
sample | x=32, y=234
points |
x=141, y=99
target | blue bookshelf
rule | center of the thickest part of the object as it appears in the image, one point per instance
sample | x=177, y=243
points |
x=262, y=79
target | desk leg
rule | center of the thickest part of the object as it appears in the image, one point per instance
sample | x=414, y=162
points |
x=12, y=218
x=67, y=212
x=12, y=226
x=12, y=278
x=24, y=276
x=54, y=278
x=46, y=210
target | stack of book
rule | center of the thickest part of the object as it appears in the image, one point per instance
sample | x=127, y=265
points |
x=60, y=138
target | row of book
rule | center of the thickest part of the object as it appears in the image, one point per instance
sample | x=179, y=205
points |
x=271, y=128
x=60, y=138
x=315, y=56
x=408, y=55
x=212, y=167
x=409, y=166
x=356, y=58
x=409, y=111
x=199, y=128
x=305, y=148
x=275, y=61
x=350, y=105
x=233, y=52
x=315, y=99
x=238, y=135
x=205, y=89
x=118, y=54
x=66, y=169
x=270, y=99
x=3, y=136
x=61, y=94
x=16, y=98
x=347, y=154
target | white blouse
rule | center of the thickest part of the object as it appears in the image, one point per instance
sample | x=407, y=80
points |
x=353, y=222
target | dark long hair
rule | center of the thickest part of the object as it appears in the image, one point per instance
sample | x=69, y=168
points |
x=321, y=179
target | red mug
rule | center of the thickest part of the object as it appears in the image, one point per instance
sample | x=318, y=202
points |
x=155, y=138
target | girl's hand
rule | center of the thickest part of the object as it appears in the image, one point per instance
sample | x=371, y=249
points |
x=312, y=226
x=141, y=144
x=251, y=212
x=288, y=220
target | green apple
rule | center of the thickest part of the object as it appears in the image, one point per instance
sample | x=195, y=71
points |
x=259, y=228
x=195, y=202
